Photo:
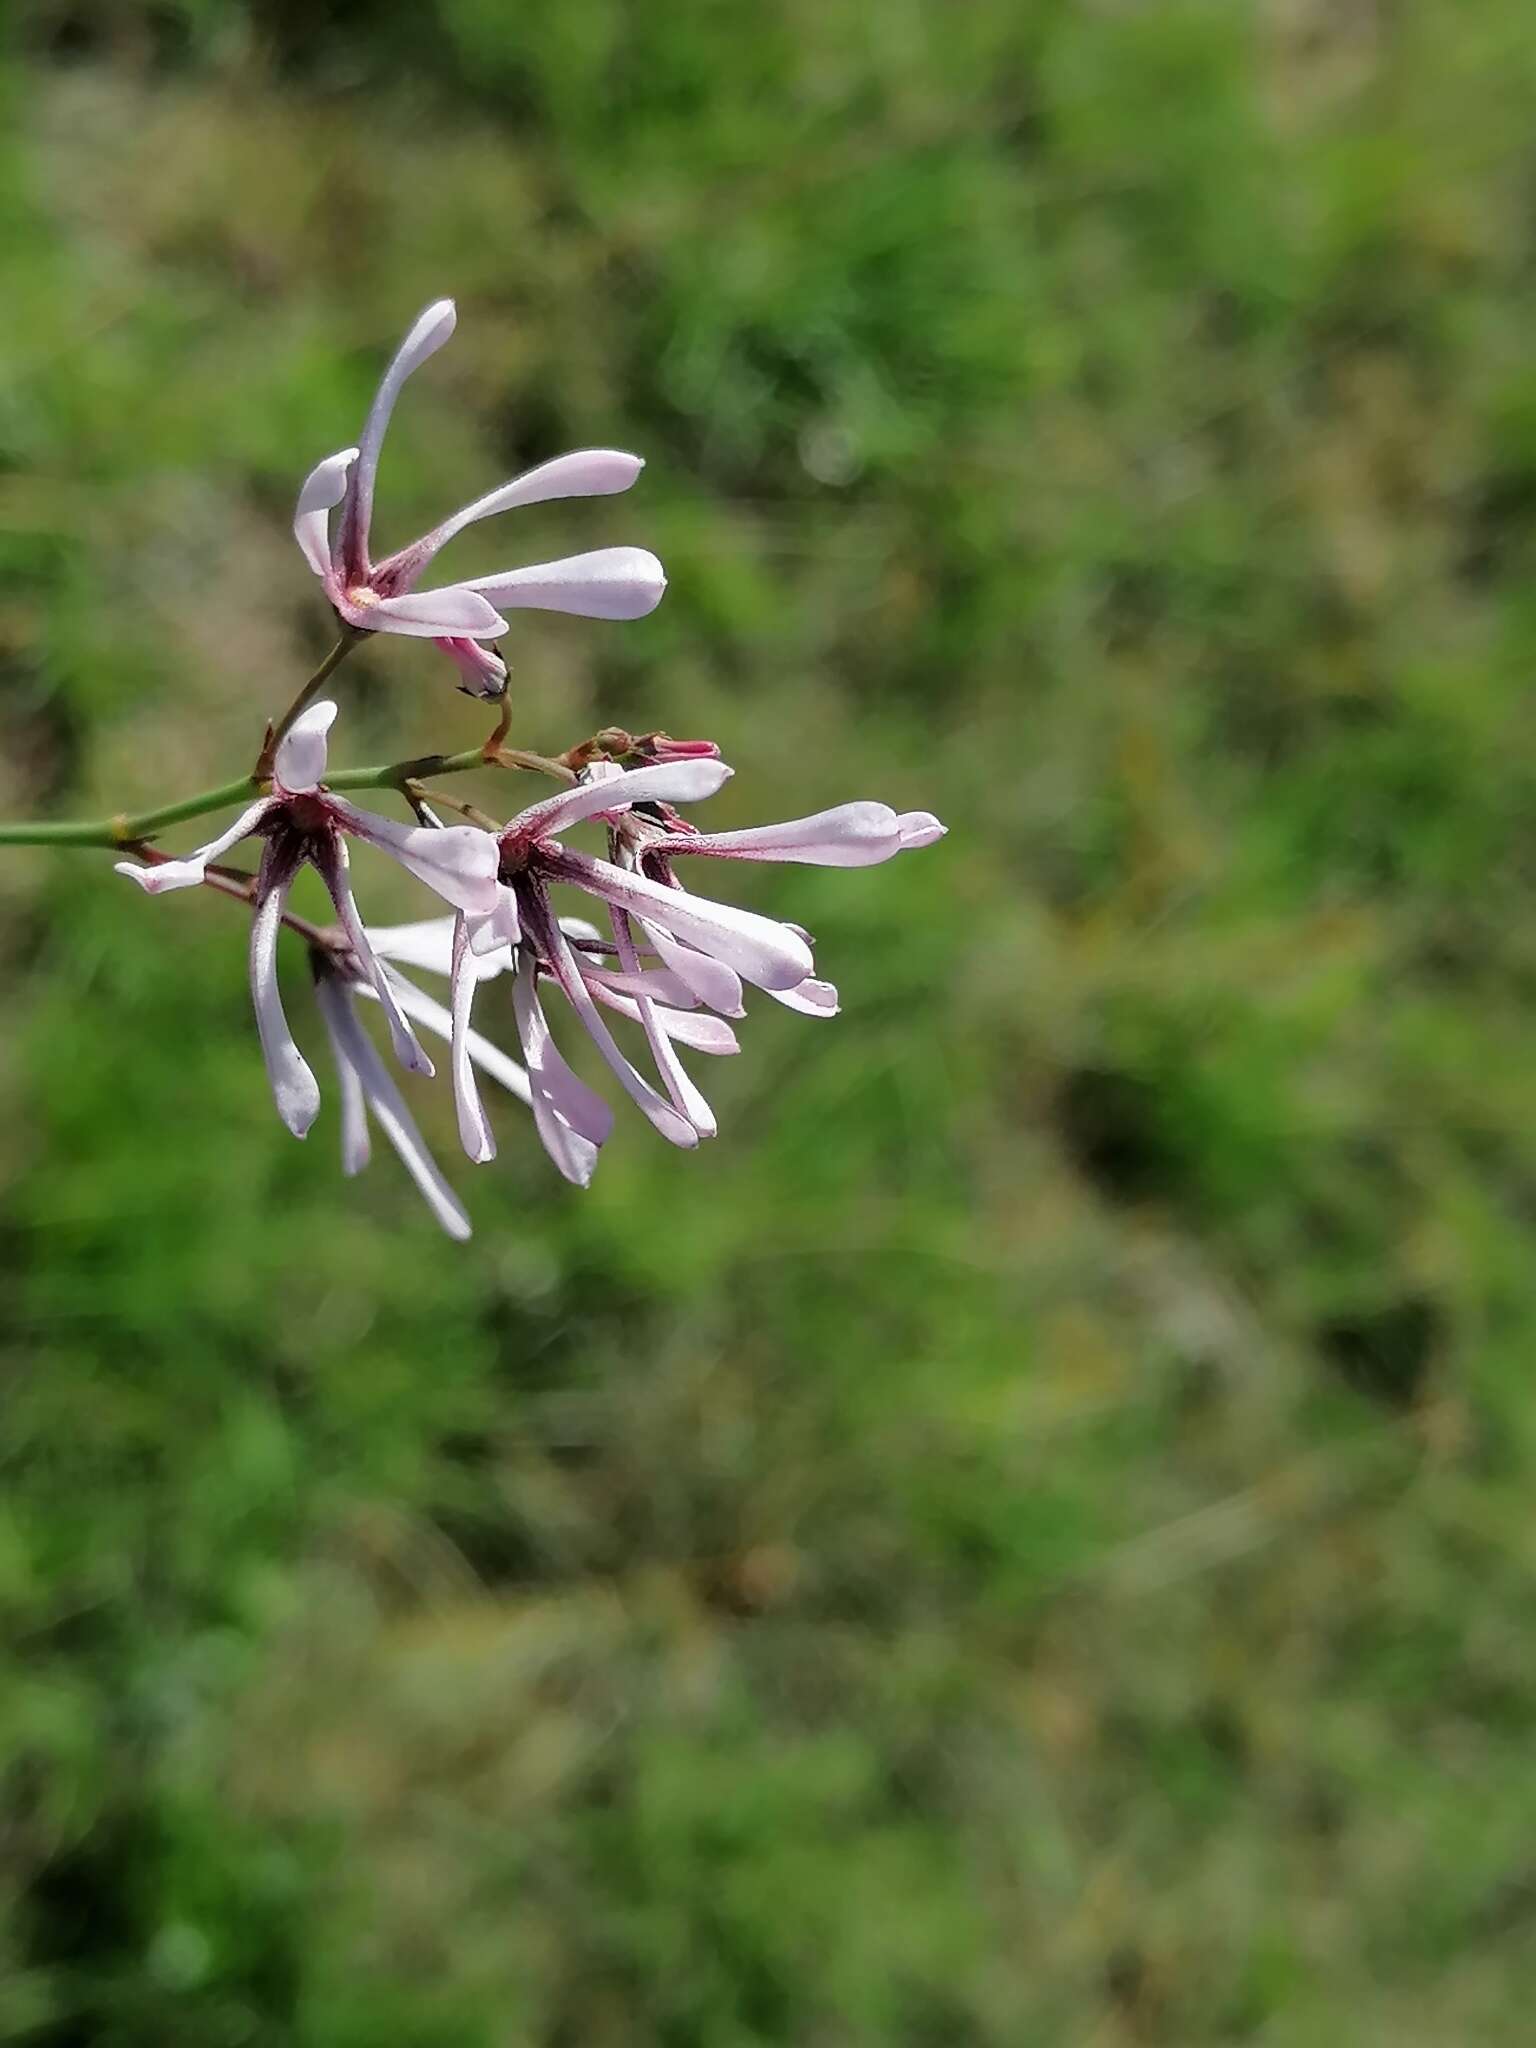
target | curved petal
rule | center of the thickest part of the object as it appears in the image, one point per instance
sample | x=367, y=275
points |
x=699, y=1030
x=919, y=828
x=299, y=765
x=757, y=948
x=459, y=861
x=482, y=671
x=435, y=614
x=675, y=782
x=425, y=1010
x=355, y=1148
x=609, y=583
x=675, y=1078
x=323, y=488
x=589, y=473
x=432, y=328
x=572, y=1121
x=187, y=872
x=331, y=859
x=853, y=835
x=294, y=1087
x=710, y=980
x=475, y=1133
x=811, y=998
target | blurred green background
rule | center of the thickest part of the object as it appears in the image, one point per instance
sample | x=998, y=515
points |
x=1031, y=1537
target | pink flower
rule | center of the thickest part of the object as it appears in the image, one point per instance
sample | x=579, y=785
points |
x=670, y=953
x=612, y=583
x=302, y=821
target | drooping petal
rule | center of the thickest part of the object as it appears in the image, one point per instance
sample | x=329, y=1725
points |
x=555, y=947
x=387, y=1105
x=435, y=614
x=710, y=979
x=332, y=860
x=299, y=764
x=432, y=328
x=482, y=671
x=432, y=1016
x=919, y=828
x=675, y=1078
x=769, y=954
x=355, y=1147
x=811, y=998
x=458, y=861
x=609, y=583
x=294, y=1087
x=323, y=488
x=848, y=836
x=572, y=1121
x=188, y=871
x=495, y=935
x=675, y=782
x=475, y=1133
x=589, y=473
x=699, y=1030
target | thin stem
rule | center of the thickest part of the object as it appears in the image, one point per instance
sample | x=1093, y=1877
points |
x=350, y=635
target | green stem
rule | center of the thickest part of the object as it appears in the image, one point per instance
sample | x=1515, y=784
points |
x=124, y=830
x=276, y=734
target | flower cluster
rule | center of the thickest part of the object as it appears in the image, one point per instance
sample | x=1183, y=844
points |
x=654, y=954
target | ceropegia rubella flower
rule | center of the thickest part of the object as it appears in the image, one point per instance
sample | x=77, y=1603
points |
x=610, y=583
x=302, y=821
x=702, y=951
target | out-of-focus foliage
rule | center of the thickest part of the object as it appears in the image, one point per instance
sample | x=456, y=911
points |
x=1029, y=1538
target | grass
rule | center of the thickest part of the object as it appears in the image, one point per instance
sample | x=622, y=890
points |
x=1027, y=1538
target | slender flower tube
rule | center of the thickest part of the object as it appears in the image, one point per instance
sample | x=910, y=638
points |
x=302, y=821
x=609, y=583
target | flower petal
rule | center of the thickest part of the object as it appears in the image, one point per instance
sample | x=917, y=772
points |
x=432, y=328
x=711, y=980
x=324, y=487
x=572, y=1121
x=919, y=828
x=433, y=614
x=675, y=1078
x=609, y=583
x=459, y=861
x=355, y=1148
x=811, y=998
x=676, y=782
x=395, y=1120
x=589, y=473
x=294, y=1087
x=331, y=858
x=849, y=836
x=769, y=954
x=483, y=672
x=425, y=1010
x=188, y=871
x=475, y=1133
x=299, y=765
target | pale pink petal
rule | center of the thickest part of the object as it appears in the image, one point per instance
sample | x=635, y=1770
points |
x=609, y=583
x=919, y=828
x=331, y=859
x=675, y=782
x=658, y=985
x=494, y=936
x=323, y=488
x=355, y=1148
x=811, y=998
x=711, y=980
x=459, y=861
x=475, y=1133
x=300, y=762
x=590, y=473
x=427, y=944
x=294, y=1087
x=555, y=947
x=675, y=1078
x=387, y=1105
x=572, y=1121
x=850, y=836
x=769, y=954
x=434, y=614
x=187, y=872
x=425, y=1010
x=431, y=330
x=482, y=670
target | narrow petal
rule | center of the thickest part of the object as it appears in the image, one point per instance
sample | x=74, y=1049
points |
x=675, y=1078
x=572, y=1121
x=427, y=944
x=332, y=861
x=431, y=330
x=188, y=871
x=294, y=1087
x=355, y=1147
x=849, y=836
x=553, y=944
x=660, y=985
x=919, y=828
x=433, y=614
x=699, y=1030
x=300, y=762
x=811, y=998
x=609, y=583
x=432, y=1016
x=459, y=861
x=396, y=1122
x=675, y=782
x=475, y=1133
x=711, y=980
x=323, y=488
x=590, y=473
x=769, y=954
